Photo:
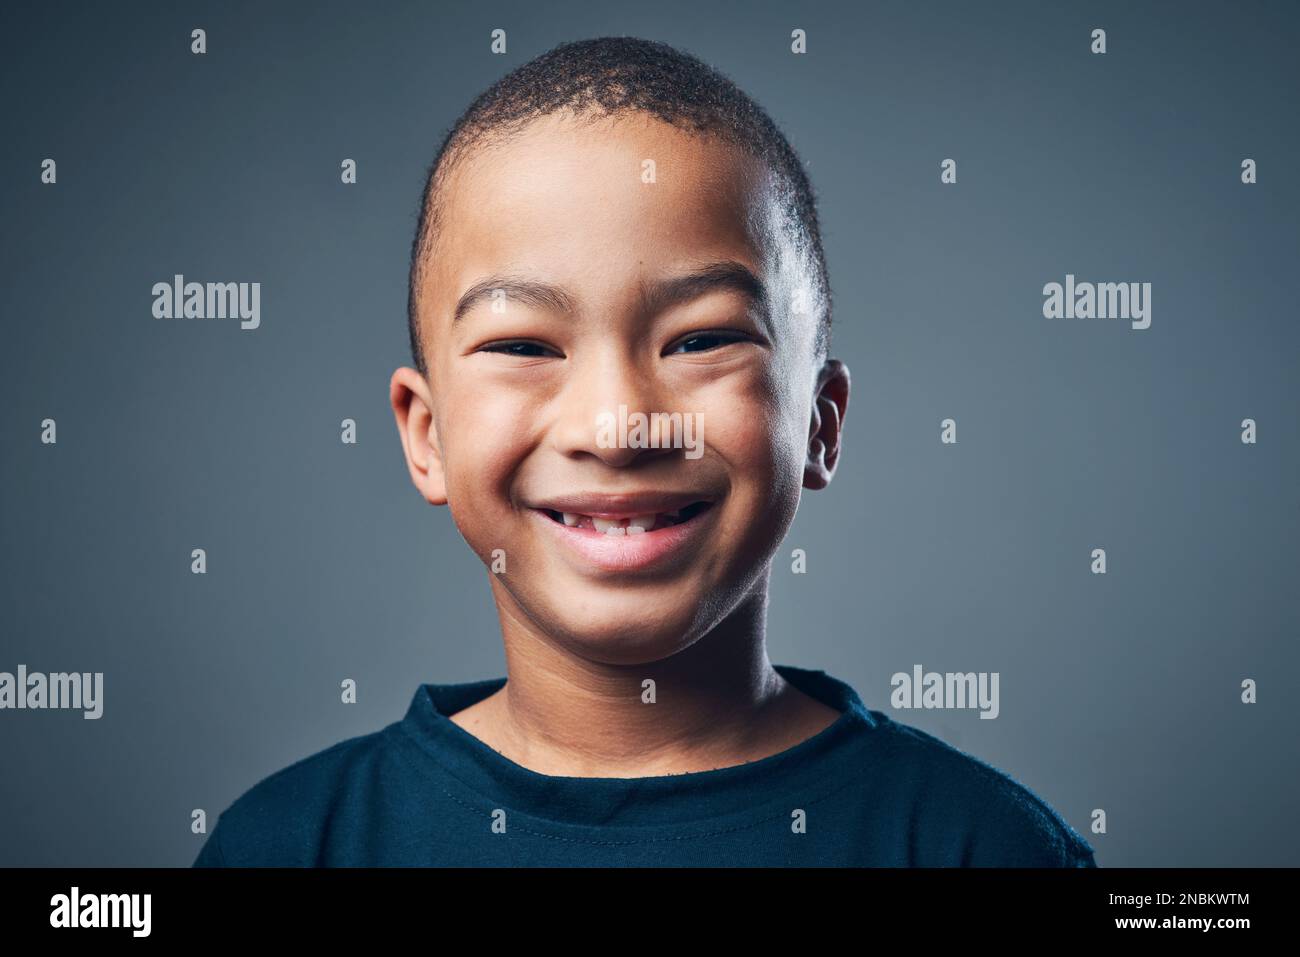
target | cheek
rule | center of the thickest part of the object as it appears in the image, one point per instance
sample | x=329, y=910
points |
x=747, y=436
x=753, y=425
x=484, y=432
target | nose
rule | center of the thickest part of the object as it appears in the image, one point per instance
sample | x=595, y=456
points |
x=597, y=409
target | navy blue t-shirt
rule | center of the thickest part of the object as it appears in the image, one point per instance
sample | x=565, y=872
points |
x=865, y=791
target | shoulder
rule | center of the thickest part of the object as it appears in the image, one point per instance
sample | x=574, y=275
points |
x=280, y=820
x=962, y=811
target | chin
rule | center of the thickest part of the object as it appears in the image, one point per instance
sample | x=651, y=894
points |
x=613, y=636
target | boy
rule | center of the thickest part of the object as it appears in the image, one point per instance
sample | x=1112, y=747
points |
x=615, y=235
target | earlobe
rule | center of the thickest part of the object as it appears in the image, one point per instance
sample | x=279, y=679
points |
x=827, y=423
x=413, y=411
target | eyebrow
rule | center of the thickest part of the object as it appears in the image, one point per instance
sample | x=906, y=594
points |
x=529, y=292
x=713, y=277
x=727, y=275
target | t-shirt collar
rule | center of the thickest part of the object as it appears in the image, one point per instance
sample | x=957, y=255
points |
x=793, y=775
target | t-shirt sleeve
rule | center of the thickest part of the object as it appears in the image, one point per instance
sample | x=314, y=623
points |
x=210, y=854
x=1016, y=828
x=1083, y=857
x=968, y=813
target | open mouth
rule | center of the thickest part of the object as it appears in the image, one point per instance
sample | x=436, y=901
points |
x=629, y=524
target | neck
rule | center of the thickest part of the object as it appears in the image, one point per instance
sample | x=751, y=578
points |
x=717, y=703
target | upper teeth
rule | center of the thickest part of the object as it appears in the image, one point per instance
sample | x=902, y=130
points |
x=633, y=525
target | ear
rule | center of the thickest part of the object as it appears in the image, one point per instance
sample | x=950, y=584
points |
x=830, y=403
x=413, y=408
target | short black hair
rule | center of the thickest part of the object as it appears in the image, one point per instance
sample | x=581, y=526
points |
x=617, y=75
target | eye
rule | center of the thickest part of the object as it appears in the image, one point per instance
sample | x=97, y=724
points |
x=704, y=341
x=527, y=350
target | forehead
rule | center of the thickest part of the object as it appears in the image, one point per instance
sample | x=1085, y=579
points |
x=599, y=206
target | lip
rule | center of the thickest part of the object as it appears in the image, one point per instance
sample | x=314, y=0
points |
x=648, y=551
x=614, y=505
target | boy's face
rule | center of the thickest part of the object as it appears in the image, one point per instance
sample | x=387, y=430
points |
x=589, y=253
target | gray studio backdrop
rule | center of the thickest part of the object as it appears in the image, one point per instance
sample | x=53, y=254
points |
x=1119, y=692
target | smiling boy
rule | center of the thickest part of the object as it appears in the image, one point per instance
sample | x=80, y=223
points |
x=615, y=226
